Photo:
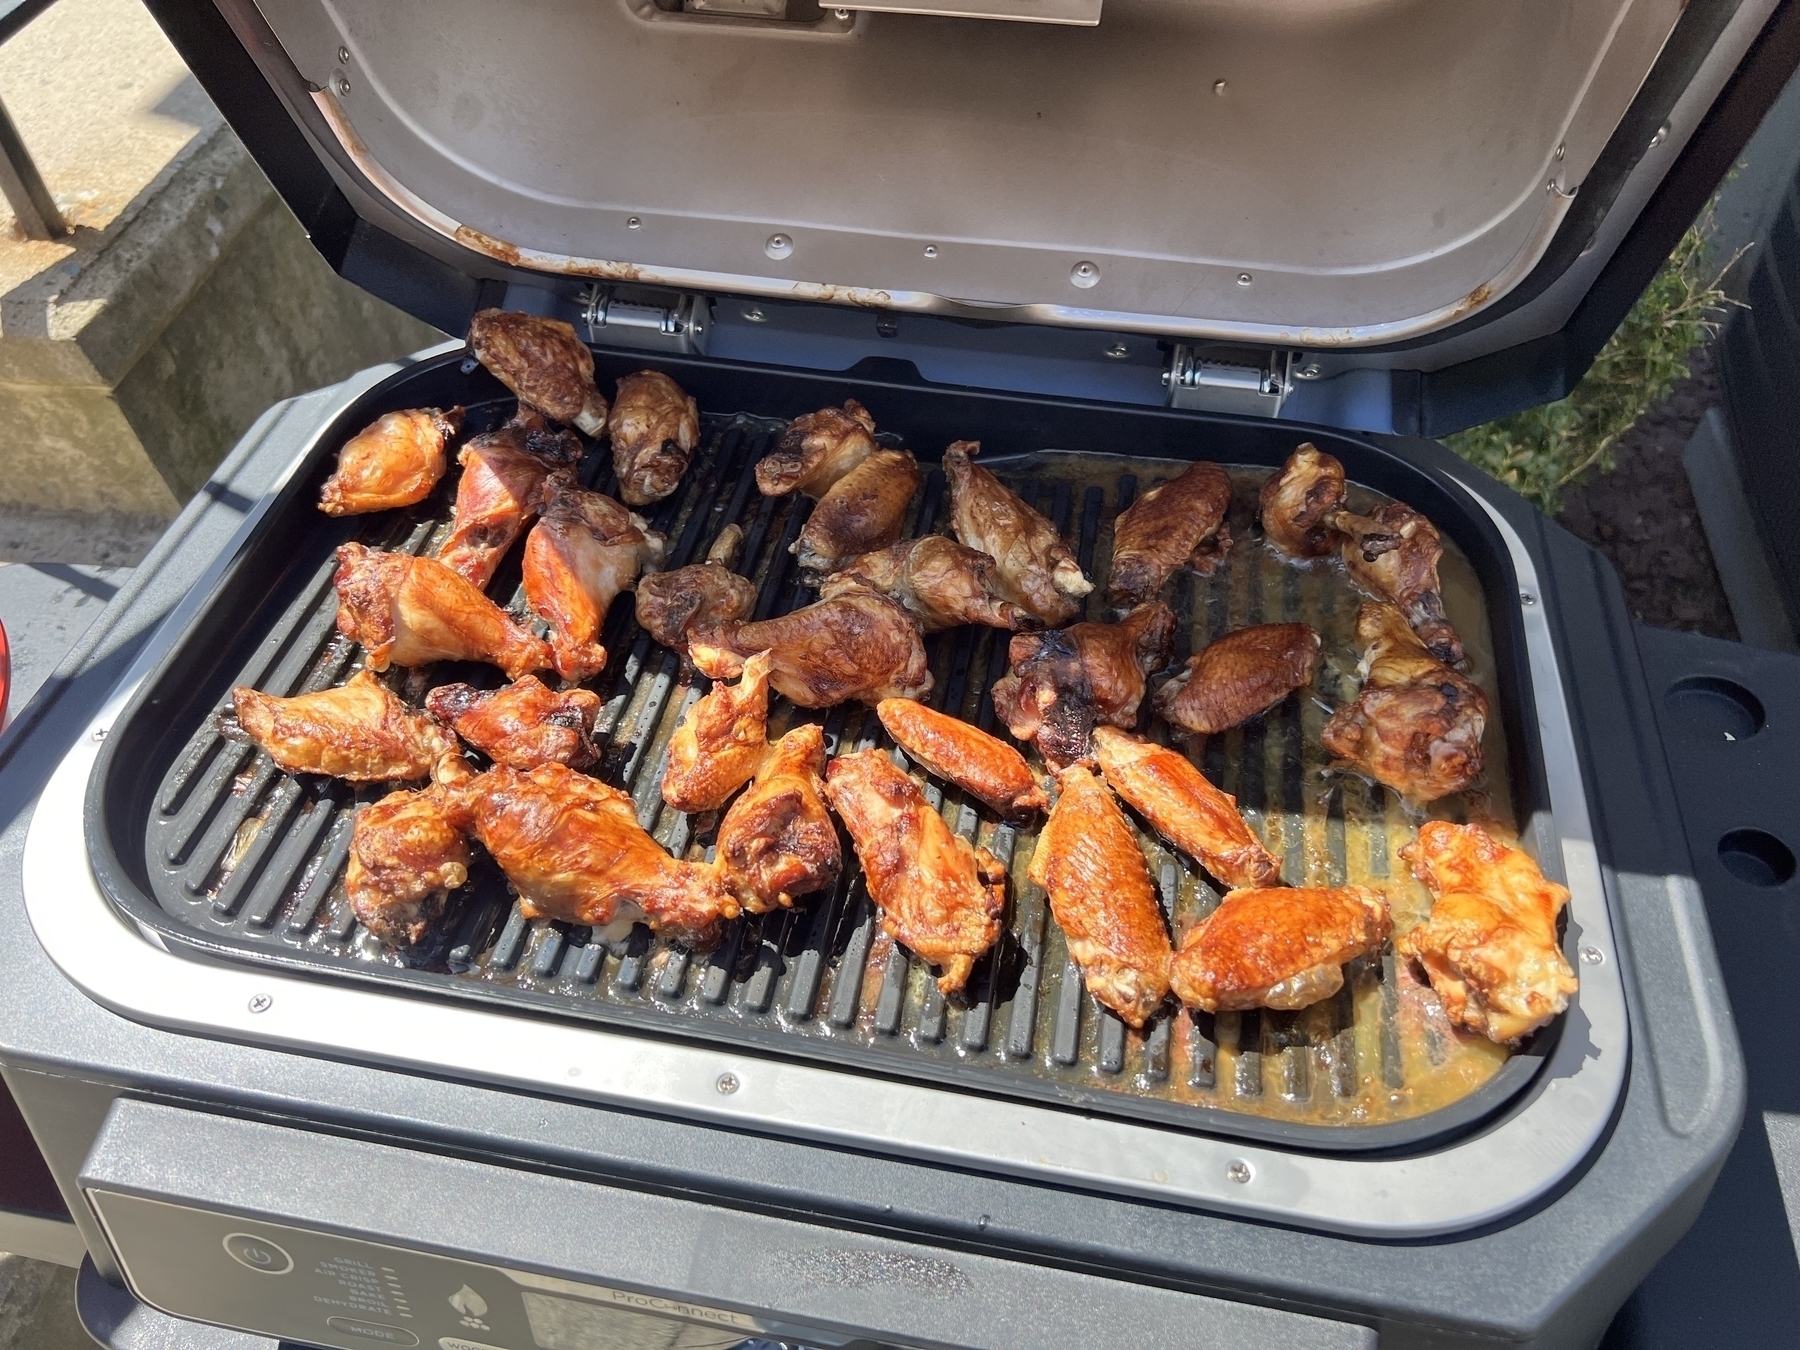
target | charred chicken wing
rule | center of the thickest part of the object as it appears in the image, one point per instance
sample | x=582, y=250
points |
x=1280, y=947
x=967, y=756
x=777, y=841
x=940, y=582
x=1240, y=675
x=672, y=606
x=1299, y=501
x=1036, y=569
x=523, y=725
x=361, y=732
x=498, y=494
x=654, y=428
x=865, y=510
x=405, y=855
x=718, y=745
x=543, y=362
x=1177, y=524
x=817, y=450
x=860, y=645
x=1393, y=552
x=395, y=461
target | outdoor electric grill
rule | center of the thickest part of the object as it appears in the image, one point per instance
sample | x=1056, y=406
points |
x=1083, y=247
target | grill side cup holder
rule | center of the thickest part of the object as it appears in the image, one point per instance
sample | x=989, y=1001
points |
x=1756, y=858
x=1712, y=708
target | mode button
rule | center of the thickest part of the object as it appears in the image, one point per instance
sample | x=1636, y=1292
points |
x=378, y=1332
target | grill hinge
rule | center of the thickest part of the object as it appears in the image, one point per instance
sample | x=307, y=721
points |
x=660, y=321
x=1229, y=382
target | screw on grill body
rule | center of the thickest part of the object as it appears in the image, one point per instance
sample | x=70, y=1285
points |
x=342, y=85
x=779, y=246
x=260, y=1003
x=1244, y=278
x=1593, y=956
x=840, y=13
x=931, y=250
x=1219, y=88
x=99, y=733
x=727, y=1084
x=1118, y=350
x=1239, y=1171
x=344, y=55
x=1084, y=274
x=1527, y=598
x=633, y=223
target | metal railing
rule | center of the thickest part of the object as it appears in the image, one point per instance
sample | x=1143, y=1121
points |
x=20, y=180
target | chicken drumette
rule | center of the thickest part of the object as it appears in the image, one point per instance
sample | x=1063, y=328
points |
x=967, y=756
x=406, y=854
x=777, y=841
x=1280, y=947
x=672, y=606
x=654, y=428
x=498, y=494
x=1036, y=569
x=361, y=732
x=720, y=742
x=395, y=461
x=940, y=582
x=817, y=450
x=543, y=362
x=859, y=645
x=863, y=511
x=1180, y=523
x=523, y=725
x=1237, y=676
x=1298, y=501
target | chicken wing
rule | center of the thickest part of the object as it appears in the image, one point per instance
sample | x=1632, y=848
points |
x=860, y=646
x=1064, y=682
x=1180, y=523
x=1036, y=569
x=817, y=450
x=939, y=895
x=523, y=725
x=1280, y=947
x=395, y=461
x=405, y=856
x=1165, y=788
x=543, y=362
x=865, y=510
x=1240, y=675
x=1089, y=864
x=361, y=732
x=777, y=841
x=967, y=756
x=1393, y=553
x=1299, y=500
x=503, y=476
x=583, y=551
x=940, y=582
x=1489, y=947
x=1417, y=724
x=718, y=745
x=654, y=427
x=409, y=611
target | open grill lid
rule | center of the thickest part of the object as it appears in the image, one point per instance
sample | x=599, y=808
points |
x=1443, y=208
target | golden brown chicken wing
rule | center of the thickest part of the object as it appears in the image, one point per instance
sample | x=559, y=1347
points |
x=940, y=582
x=654, y=427
x=777, y=841
x=718, y=745
x=672, y=606
x=859, y=645
x=1064, y=682
x=1237, y=676
x=1393, y=552
x=523, y=725
x=1489, y=947
x=395, y=461
x=405, y=856
x=1180, y=523
x=583, y=551
x=361, y=732
x=1281, y=947
x=1089, y=864
x=498, y=493
x=1165, y=788
x=543, y=362
x=409, y=611
x=1299, y=500
x=939, y=894
x=1036, y=569
x=1417, y=724
x=864, y=510
x=817, y=450
x=967, y=756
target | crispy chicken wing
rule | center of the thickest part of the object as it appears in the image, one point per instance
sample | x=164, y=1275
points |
x=1393, y=552
x=865, y=510
x=503, y=476
x=409, y=611
x=394, y=461
x=1064, y=682
x=672, y=606
x=718, y=745
x=817, y=450
x=405, y=855
x=1280, y=947
x=1237, y=676
x=1299, y=500
x=583, y=551
x=1417, y=724
x=777, y=841
x=967, y=756
x=1036, y=569
x=361, y=732
x=1180, y=523
x=1089, y=864
x=523, y=725
x=940, y=582
x=1489, y=947
x=1165, y=788
x=860, y=645
x=939, y=895
x=543, y=362
x=654, y=427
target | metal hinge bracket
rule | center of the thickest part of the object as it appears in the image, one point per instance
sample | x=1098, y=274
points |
x=662, y=321
x=1234, y=381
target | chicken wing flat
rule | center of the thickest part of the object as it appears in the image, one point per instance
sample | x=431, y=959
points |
x=955, y=751
x=1393, y=552
x=864, y=510
x=1064, y=682
x=1279, y=947
x=860, y=645
x=718, y=745
x=1299, y=500
x=1180, y=523
x=497, y=495
x=583, y=551
x=405, y=856
x=1089, y=864
x=939, y=895
x=361, y=732
x=543, y=362
x=1165, y=788
x=777, y=842
x=409, y=611
x=1240, y=675
x=1489, y=947
x=1036, y=569
x=654, y=427
x=1417, y=724
x=395, y=461
x=938, y=581
x=817, y=450
x=523, y=725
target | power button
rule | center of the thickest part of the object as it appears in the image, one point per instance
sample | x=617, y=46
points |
x=258, y=1254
